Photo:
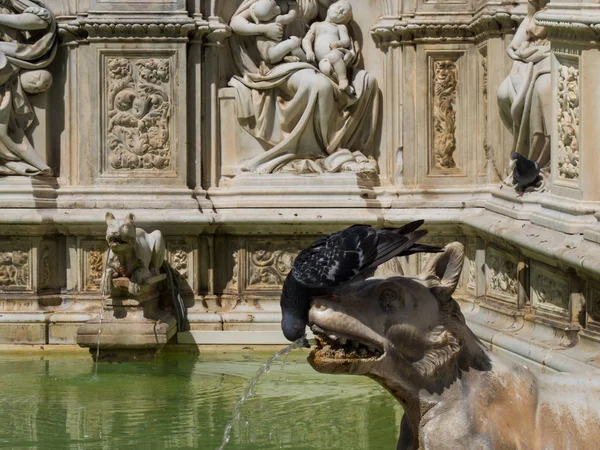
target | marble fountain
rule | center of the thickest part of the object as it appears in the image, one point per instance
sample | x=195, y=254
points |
x=226, y=131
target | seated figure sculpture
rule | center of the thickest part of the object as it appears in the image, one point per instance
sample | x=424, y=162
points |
x=271, y=50
x=329, y=44
x=303, y=121
x=134, y=254
x=408, y=334
x=28, y=44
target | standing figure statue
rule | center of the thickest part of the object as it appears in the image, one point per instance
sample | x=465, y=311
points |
x=305, y=120
x=28, y=43
x=524, y=97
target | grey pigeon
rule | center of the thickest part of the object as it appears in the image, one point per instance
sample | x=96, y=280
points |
x=525, y=172
x=338, y=258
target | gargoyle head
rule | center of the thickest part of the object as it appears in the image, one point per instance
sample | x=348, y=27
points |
x=120, y=234
x=403, y=327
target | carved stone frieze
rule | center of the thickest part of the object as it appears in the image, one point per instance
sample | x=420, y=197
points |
x=178, y=252
x=389, y=32
x=568, y=122
x=471, y=264
x=110, y=28
x=95, y=257
x=267, y=263
x=501, y=275
x=549, y=289
x=138, y=112
x=232, y=284
x=444, y=85
x=15, y=268
x=45, y=273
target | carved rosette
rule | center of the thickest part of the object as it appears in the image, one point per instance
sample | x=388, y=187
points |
x=445, y=83
x=138, y=115
x=549, y=290
x=501, y=275
x=568, y=123
x=14, y=269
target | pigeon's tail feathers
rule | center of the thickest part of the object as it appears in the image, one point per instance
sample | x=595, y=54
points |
x=407, y=228
x=423, y=248
x=390, y=246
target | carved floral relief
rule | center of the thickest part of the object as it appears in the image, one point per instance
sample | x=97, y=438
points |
x=14, y=269
x=568, y=122
x=472, y=265
x=445, y=83
x=502, y=275
x=139, y=114
x=94, y=267
x=45, y=268
x=549, y=290
x=178, y=258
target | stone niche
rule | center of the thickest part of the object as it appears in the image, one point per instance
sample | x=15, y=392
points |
x=143, y=116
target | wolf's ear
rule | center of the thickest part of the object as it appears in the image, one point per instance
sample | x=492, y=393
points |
x=130, y=218
x=109, y=217
x=447, y=268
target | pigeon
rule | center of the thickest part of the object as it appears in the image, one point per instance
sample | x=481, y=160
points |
x=339, y=258
x=525, y=172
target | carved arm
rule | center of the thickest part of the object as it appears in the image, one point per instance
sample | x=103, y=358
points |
x=242, y=26
x=24, y=21
x=307, y=44
x=344, y=41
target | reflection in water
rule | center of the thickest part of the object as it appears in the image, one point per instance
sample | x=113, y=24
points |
x=185, y=403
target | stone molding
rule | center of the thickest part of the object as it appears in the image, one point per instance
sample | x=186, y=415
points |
x=407, y=31
x=579, y=26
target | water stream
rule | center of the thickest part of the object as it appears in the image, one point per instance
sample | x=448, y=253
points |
x=102, y=306
x=249, y=390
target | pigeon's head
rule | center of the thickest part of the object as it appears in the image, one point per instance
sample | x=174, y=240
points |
x=293, y=327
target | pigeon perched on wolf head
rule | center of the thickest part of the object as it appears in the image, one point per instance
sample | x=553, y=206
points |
x=338, y=258
x=525, y=172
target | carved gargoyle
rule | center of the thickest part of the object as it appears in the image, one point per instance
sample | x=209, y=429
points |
x=409, y=335
x=134, y=254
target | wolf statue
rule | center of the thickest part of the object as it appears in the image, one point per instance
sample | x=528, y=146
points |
x=409, y=335
x=134, y=254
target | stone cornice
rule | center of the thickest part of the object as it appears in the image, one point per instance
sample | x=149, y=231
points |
x=75, y=30
x=390, y=31
x=580, y=26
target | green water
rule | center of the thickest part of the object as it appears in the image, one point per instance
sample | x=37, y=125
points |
x=185, y=402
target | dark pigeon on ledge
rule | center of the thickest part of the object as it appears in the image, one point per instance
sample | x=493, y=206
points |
x=525, y=172
x=339, y=258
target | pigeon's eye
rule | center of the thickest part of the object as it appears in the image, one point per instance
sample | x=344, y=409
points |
x=389, y=300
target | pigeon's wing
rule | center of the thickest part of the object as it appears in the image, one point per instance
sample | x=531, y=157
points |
x=337, y=258
x=391, y=244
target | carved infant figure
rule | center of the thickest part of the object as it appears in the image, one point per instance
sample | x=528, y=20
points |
x=134, y=253
x=329, y=44
x=272, y=52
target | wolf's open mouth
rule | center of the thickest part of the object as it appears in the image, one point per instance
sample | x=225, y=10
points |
x=332, y=345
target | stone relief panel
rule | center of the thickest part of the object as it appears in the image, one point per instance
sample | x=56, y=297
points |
x=501, y=275
x=568, y=123
x=15, y=266
x=269, y=262
x=180, y=254
x=444, y=80
x=593, y=302
x=137, y=113
x=471, y=264
x=93, y=264
x=549, y=289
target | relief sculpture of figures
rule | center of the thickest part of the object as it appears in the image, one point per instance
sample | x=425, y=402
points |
x=310, y=114
x=28, y=43
x=524, y=97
